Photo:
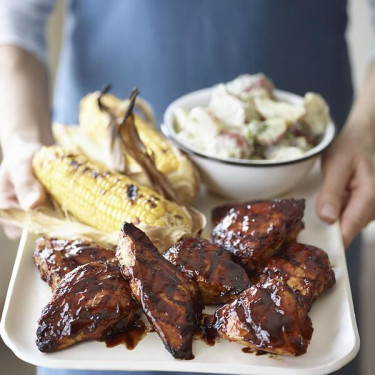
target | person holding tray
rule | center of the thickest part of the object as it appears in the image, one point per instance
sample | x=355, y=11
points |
x=170, y=47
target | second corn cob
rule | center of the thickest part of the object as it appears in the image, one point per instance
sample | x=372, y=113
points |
x=95, y=125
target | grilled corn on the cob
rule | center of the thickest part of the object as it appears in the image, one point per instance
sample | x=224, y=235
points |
x=104, y=199
x=95, y=124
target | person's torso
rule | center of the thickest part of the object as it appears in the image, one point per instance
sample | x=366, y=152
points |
x=170, y=47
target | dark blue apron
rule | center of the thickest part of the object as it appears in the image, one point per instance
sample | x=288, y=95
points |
x=170, y=47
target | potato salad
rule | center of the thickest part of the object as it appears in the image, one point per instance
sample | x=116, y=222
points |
x=244, y=120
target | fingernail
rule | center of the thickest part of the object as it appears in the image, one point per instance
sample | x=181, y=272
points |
x=328, y=211
x=30, y=199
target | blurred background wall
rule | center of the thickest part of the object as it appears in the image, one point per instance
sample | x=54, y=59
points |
x=360, y=38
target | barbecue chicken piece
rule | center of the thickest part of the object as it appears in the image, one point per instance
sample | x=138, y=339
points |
x=266, y=317
x=170, y=300
x=91, y=302
x=219, y=279
x=55, y=258
x=254, y=231
x=103, y=199
x=305, y=268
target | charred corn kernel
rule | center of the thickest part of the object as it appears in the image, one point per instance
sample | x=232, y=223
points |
x=99, y=197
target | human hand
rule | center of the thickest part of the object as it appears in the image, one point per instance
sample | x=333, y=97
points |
x=348, y=191
x=18, y=186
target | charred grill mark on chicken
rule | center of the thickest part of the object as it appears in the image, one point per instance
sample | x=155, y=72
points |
x=169, y=299
x=305, y=268
x=55, y=257
x=91, y=302
x=219, y=279
x=254, y=231
x=266, y=317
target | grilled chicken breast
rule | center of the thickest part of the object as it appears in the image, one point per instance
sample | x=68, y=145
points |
x=219, y=279
x=254, y=231
x=305, y=268
x=91, y=302
x=55, y=258
x=266, y=317
x=170, y=300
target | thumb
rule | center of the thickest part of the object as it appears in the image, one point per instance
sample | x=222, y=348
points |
x=337, y=172
x=29, y=191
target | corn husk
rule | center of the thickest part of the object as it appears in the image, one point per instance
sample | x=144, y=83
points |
x=47, y=221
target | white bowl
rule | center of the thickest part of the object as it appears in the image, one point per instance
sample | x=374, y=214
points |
x=245, y=179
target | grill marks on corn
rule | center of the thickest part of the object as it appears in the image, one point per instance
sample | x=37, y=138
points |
x=100, y=197
x=132, y=192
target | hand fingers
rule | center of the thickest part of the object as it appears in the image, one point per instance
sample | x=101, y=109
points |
x=337, y=173
x=8, y=198
x=29, y=191
x=360, y=209
x=18, y=186
x=12, y=232
x=6, y=187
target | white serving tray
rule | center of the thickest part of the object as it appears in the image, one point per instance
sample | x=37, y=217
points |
x=334, y=343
